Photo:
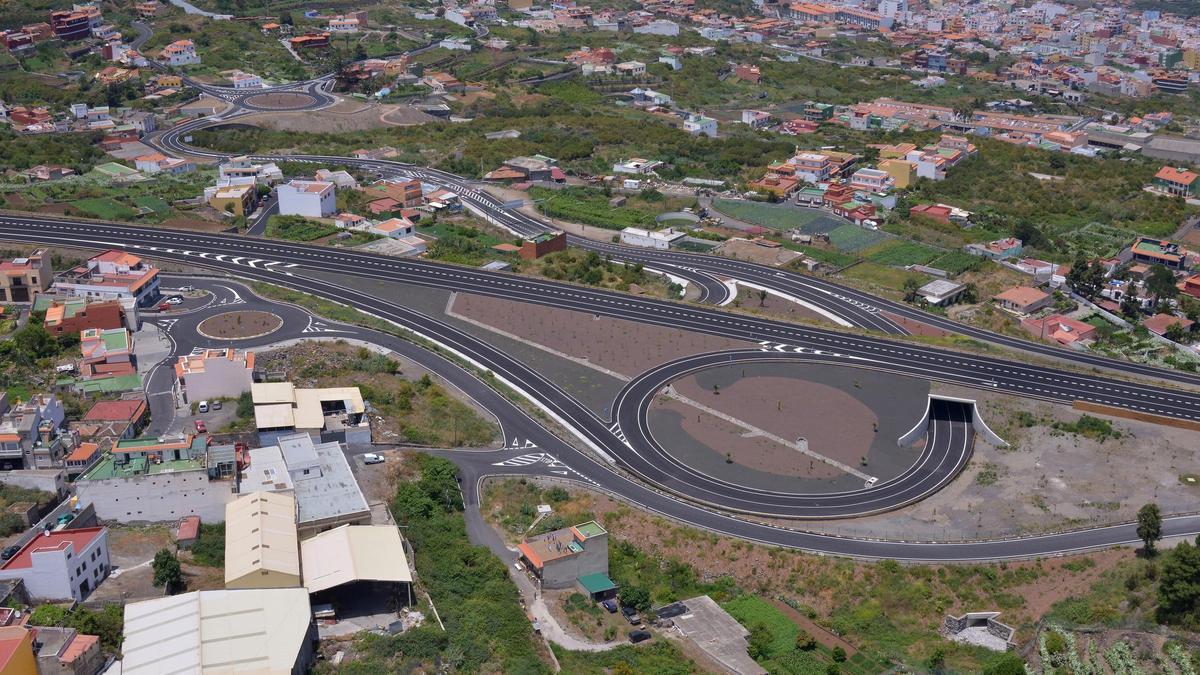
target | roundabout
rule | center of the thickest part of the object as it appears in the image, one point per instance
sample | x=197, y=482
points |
x=240, y=325
x=280, y=101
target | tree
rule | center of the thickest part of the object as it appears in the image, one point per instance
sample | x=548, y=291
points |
x=911, y=285
x=1176, y=333
x=635, y=597
x=1179, y=584
x=805, y=642
x=759, y=646
x=937, y=659
x=1160, y=282
x=1131, y=307
x=838, y=655
x=167, y=571
x=1149, y=526
x=762, y=297
x=48, y=615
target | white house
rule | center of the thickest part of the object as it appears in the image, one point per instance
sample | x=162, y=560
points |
x=242, y=80
x=662, y=239
x=699, y=125
x=341, y=24
x=756, y=119
x=308, y=198
x=180, y=53
x=636, y=166
x=456, y=44
x=658, y=27
x=402, y=231
x=62, y=565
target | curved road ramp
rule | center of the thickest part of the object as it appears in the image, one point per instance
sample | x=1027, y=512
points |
x=943, y=409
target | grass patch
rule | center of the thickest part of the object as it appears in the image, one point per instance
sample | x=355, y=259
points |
x=104, y=208
x=209, y=549
x=902, y=253
x=957, y=262
x=891, y=278
x=852, y=238
x=297, y=228
x=1091, y=427
x=659, y=657
x=590, y=207
x=808, y=221
x=151, y=202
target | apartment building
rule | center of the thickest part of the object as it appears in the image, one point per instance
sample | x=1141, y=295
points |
x=112, y=274
x=61, y=565
x=215, y=373
x=23, y=279
x=180, y=53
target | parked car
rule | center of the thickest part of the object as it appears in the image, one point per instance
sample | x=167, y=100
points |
x=216, y=405
x=201, y=427
x=187, y=289
x=164, y=306
x=10, y=552
x=672, y=610
x=610, y=605
x=372, y=458
x=202, y=407
x=636, y=636
x=631, y=615
x=175, y=300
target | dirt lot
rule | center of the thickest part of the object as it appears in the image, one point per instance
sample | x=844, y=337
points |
x=916, y=327
x=787, y=407
x=200, y=224
x=1050, y=479
x=744, y=249
x=613, y=344
x=132, y=549
x=240, y=325
x=748, y=301
x=344, y=116
x=280, y=100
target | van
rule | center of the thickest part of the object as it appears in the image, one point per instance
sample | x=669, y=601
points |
x=202, y=407
x=636, y=636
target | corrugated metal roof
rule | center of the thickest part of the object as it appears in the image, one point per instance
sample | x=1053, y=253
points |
x=354, y=553
x=261, y=540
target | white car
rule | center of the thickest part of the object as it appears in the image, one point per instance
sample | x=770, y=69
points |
x=174, y=300
x=186, y=289
x=372, y=458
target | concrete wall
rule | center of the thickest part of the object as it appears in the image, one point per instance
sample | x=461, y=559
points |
x=164, y=497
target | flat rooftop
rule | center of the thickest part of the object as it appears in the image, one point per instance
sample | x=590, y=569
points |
x=108, y=468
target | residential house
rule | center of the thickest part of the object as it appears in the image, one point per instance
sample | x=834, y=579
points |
x=310, y=41
x=243, y=169
x=1154, y=251
x=902, y=171
x=934, y=212
x=756, y=119
x=402, y=193
x=636, y=166
x=215, y=373
x=699, y=125
x=350, y=221
x=942, y=292
x=180, y=53
x=661, y=239
x=403, y=232
x=112, y=274
x=106, y=353
x=340, y=178
x=560, y=559
x=631, y=68
x=234, y=200
x=1178, y=182
x=1061, y=329
x=241, y=80
x=1160, y=323
x=871, y=180
x=1023, y=299
x=132, y=414
x=311, y=199
x=535, y=169
x=23, y=279
x=746, y=73
x=31, y=433
x=16, y=651
x=159, y=163
x=83, y=457
x=778, y=185
x=65, y=651
x=61, y=565
x=813, y=167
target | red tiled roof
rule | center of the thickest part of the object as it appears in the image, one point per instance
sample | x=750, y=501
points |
x=189, y=528
x=116, y=411
x=1181, y=176
x=80, y=538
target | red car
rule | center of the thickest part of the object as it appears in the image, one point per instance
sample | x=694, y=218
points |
x=164, y=307
x=201, y=428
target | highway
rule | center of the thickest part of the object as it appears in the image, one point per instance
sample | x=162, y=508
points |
x=526, y=436
x=1003, y=375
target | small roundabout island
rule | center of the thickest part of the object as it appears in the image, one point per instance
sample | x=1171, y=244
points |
x=240, y=325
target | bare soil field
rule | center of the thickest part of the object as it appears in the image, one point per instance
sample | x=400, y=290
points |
x=1050, y=479
x=343, y=116
x=240, y=325
x=622, y=346
x=741, y=446
x=791, y=408
x=744, y=249
x=280, y=100
x=199, y=224
x=749, y=302
x=916, y=327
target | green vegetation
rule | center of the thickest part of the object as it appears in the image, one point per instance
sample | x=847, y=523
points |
x=209, y=548
x=660, y=657
x=298, y=228
x=104, y=208
x=902, y=253
x=852, y=238
x=807, y=221
x=588, y=206
x=168, y=572
x=512, y=504
x=11, y=523
x=665, y=580
x=462, y=244
x=225, y=45
x=107, y=623
x=99, y=197
x=589, y=268
x=485, y=627
x=77, y=151
x=1094, y=428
